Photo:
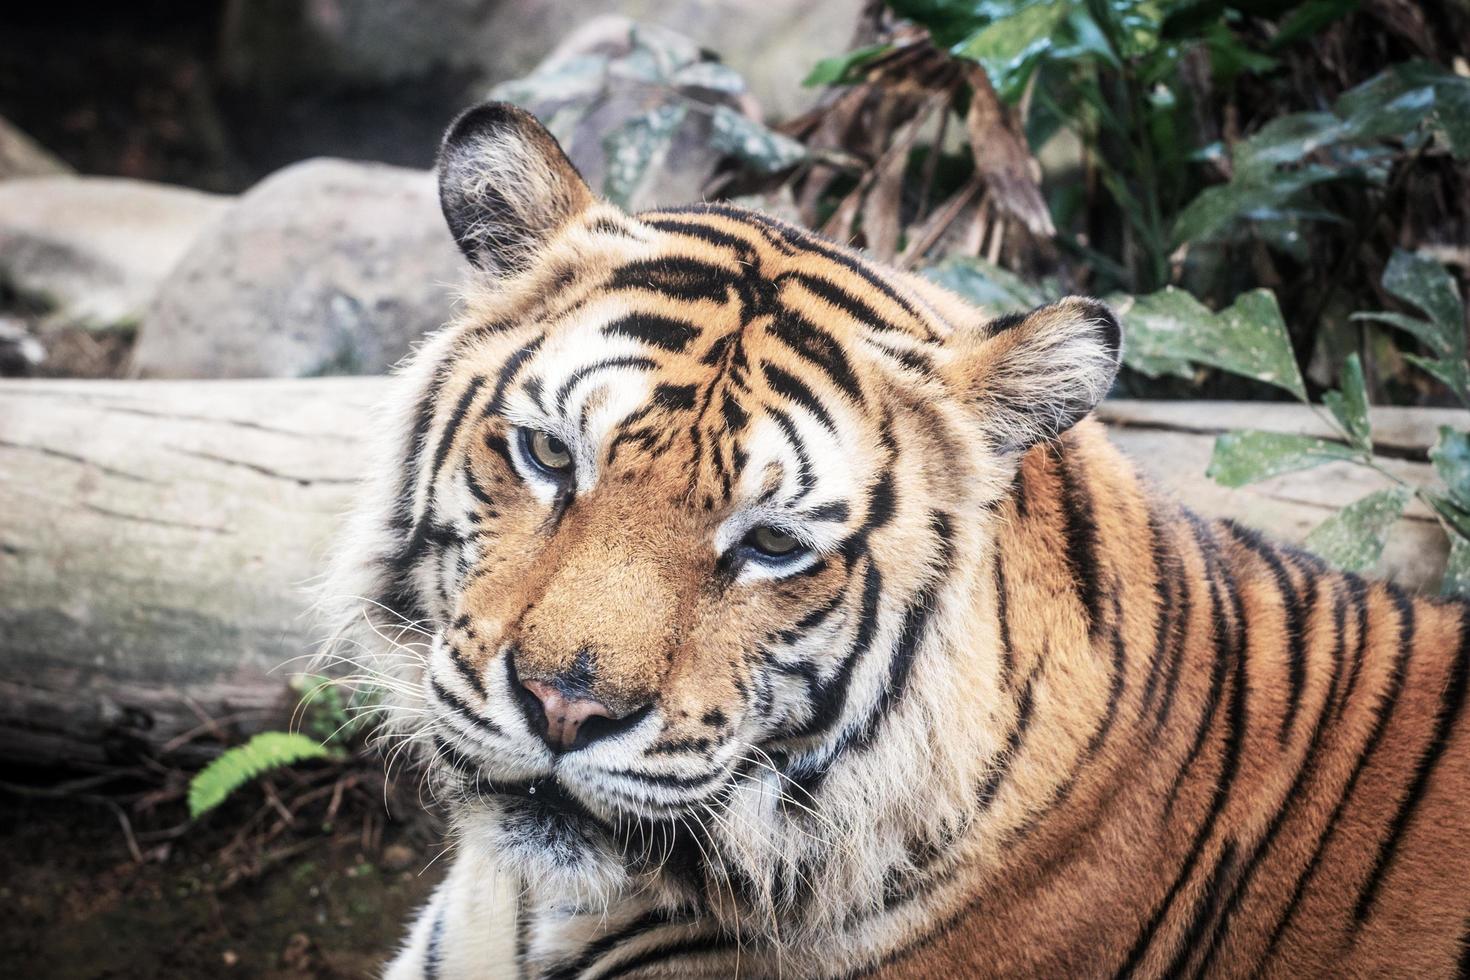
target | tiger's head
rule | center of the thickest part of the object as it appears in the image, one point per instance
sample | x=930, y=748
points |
x=674, y=567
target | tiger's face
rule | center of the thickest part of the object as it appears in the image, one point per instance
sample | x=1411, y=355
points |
x=688, y=510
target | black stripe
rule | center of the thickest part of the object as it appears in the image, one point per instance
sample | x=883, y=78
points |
x=863, y=314
x=1219, y=580
x=663, y=332
x=793, y=388
x=1382, y=709
x=1204, y=911
x=596, y=949
x=1450, y=705
x=1006, y=759
x=1081, y=536
x=1305, y=770
x=910, y=635
x=451, y=428
x=1166, y=572
x=433, y=956
x=806, y=479
x=680, y=278
x=818, y=347
x=687, y=947
x=1291, y=603
x=586, y=370
x=509, y=371
x=703, y=232
x=831, y=695
x=1235, y=724
x=1358, y=587
x=1003, y=621
x=457, y=704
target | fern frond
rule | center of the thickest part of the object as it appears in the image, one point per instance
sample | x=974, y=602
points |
x=237, y=766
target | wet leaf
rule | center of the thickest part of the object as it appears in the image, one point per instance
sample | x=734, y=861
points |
x=1247, y=456
x=635, y=147
x=844, y=69
x=1309, y=18
x=1457, y=568
x=1010, y=47
x=1425, y=283
x=1247, y=338
x=1350, y=404
x=1451, y=457
x=1285, y=139
x=1256, y=195
x=988, y=286
x=743, y=137
x=1453, y=372
x=1353, y=538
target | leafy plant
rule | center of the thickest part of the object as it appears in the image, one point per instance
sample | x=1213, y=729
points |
x=1170, y=332
x=330, y=720
x=1354, y=537
x=237, y=766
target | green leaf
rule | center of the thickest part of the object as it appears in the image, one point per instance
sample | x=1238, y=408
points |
x=1425, y=283
x=1285, y=139
x=986, y=285
x=239, y=765
x=1011, y=46
x=844, y=68
x=1215, y=210
x=635, y=147
x=764, y=149
x=1352, y=539
x=1309, y=19
x=1247, y=456
x=1425, y=331
x=1350, y=405
x=1457, y=568
x=1454, y=373
x=1247, y=338
x=1452, y=115
x=1451, y=457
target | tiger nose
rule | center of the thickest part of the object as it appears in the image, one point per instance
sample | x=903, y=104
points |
x=563, y=717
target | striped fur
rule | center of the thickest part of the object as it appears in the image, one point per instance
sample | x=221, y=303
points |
x=1014, y=714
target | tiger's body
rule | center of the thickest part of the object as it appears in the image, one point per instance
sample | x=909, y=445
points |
x=885, y=662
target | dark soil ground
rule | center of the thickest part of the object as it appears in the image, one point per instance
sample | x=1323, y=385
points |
x=320, y=902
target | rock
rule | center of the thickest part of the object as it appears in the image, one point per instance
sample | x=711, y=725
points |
x=21, y=156
x=20, y=353
x=325, y=267
x=92, y=250
x=645, y=113
x=368, y=45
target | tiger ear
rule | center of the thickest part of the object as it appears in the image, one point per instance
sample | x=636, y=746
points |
x=1032, y=376
x=505, y=186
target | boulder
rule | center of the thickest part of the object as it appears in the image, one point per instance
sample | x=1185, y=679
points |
x=92, y=250
x=369, y=45
x=325, y=267
x=646, y=114
x=21, y=156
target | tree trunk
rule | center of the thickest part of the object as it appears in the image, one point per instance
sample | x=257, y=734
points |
x=158, y=540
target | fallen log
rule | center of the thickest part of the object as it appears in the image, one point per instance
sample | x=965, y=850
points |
x=158, y=540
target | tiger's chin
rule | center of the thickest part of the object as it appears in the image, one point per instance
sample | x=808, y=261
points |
x=554, y=851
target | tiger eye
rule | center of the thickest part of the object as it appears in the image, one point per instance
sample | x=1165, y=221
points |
x=550, y=452
x=773, y=542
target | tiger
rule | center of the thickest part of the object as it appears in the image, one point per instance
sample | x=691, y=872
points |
x=758, y=609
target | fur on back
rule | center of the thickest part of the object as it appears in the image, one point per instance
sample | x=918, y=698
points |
x=1008, y=712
